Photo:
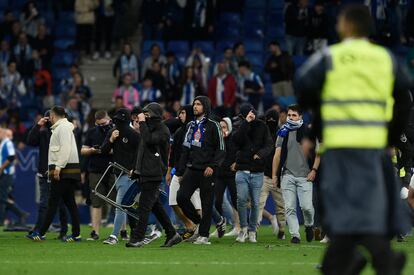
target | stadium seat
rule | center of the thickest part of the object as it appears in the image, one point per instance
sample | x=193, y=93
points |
x=228, y=33
x=255, y=4
x=146, y=46
x=206, y=46
x=255, y=59
x=65, y=31
x=275, y=18
x=181, y=58
x=178, y=46
x=3, y=5
x=64, y=44
x=230, y=18
x=60, y=73
x=17, y=4
x=49, y=18
x=286, y=100
x=276, y=5
x=254, y=32
x=299, y=60
x=66, y=17
x=256, y=17
x=222, y=44
x=63, y=59
x=275, y=32
x=253, y=46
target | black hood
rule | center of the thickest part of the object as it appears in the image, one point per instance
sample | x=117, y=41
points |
x=245, y=108
x=272, y=114
x=154, y=110
x=189, y=113
x=122, y=118
x=272, y=122
x=205, y=101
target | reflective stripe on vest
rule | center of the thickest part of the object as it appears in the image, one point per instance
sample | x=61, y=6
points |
x=357, y=97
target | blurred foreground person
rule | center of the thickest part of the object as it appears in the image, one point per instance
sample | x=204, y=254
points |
x=359, y=95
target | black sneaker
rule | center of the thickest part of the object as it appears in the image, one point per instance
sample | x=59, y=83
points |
x=176, y=239
x=221, y=227
x=295, y=240
x=136, y=244
x=93, y=236
x=309, y=233
x=281, y=235
x=124, y=235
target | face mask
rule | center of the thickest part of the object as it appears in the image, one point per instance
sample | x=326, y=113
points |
x=105, y=128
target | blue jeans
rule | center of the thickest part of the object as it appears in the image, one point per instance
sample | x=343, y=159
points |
x=122, y=186
x=6, y=184
x=248, y=185
x=295, y=45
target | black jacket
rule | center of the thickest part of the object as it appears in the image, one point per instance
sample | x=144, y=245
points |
x=224, y=171
x=40, y=137
x=211, y=153
x=124, y=147
x=273, y=128
x=251, y=139
x=152, y=158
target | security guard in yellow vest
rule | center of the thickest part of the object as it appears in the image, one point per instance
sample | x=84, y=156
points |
x=360, y=101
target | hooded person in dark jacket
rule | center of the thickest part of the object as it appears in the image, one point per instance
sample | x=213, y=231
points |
x=253, y=144
x=203, y=152
x=150, y=168
x=278, y=221
x=185, y=115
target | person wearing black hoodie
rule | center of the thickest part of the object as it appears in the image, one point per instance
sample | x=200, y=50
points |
x=279, y=220
x=123, y=140
x=185, y=116
x=150, y=168
x=203, y=152
x=253, y=144
x=39, y=136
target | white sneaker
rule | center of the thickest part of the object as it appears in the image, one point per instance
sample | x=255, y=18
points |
x=214, y=234
x=241, y=238
x=95, y=56
x=275, y=225
x=325, y=239
x=252, y=237
x=108, y=55
x=201, y=240
x=233, y=233
x=111, y=240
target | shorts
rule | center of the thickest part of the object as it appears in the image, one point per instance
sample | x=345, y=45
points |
x=103, y=188
x=172, y=199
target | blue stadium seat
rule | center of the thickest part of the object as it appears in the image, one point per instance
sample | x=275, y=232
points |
x=63, y=59
x=255, y=59
x=253, y=46
x=66, y=17
x=17, y=4
x=254, y=32
x=60, y=73
x=276, y=18
x=181, y=58
x=222, y=44
x=206, y=46
x=255, y=4
x=275, y=32
x=65, y=31
x=276, y=4
x=178, y=46
x=49, y=18
x=64, y=44
x=299, y=60
x=146, y=46
x=3, y=5
x=230, y=18
x=254, y=17
x=286, y=100
x=228, y=33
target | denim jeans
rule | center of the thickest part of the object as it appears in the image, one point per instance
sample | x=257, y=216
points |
x=295, y=44
x=6, y=184
x=122, y=186
x=248, y=185
x=302, y=188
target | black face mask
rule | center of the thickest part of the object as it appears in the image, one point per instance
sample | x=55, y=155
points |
x=105, y=128
x=273, y=126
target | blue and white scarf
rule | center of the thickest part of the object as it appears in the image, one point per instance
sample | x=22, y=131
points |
x=195, y=133
x=289, y=126
x=129, y=64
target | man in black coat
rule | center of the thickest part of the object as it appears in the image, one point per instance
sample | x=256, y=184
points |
x=253, y=144
x=150, y=168
x=203, y=152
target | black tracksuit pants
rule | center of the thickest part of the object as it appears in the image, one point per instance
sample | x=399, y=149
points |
x=193, y=179
x=63, y=189
x=220, y=188
x=149, y=201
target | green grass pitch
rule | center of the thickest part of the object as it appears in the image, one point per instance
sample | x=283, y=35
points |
x=269, y=256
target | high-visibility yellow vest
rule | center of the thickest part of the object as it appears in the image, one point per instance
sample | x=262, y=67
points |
x=357, y=101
